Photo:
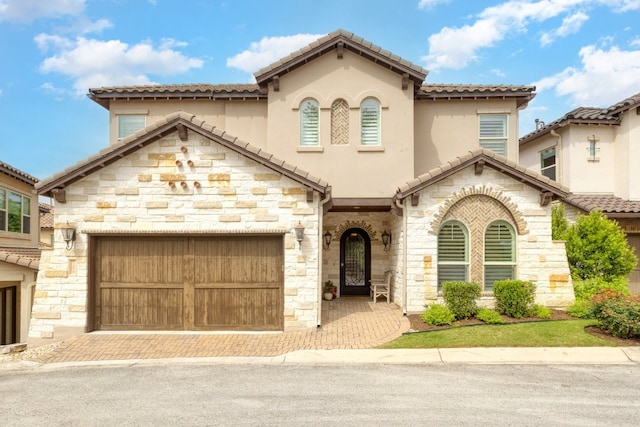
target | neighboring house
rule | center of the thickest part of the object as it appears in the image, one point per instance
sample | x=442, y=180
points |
x=19, y=253
x=46, y=224
x=594, y=152
x=226, y=207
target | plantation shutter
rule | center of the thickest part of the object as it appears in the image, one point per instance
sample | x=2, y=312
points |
x=493, y=132
x=370, y=122
x=499, y=256
x=548, y=163
x=452, y=253
x=130, y=124
x=309, y=123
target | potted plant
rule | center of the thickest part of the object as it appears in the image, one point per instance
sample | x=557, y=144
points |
x=330, y=291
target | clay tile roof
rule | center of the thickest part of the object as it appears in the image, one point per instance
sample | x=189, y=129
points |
x=46, y=216
x=586, y=115
x=25, y=257
x=524, y=94
x=103, y=95
x=351, y=42
x=488, y=158
x=610, y=205
x=17, y=174
x=165, y=126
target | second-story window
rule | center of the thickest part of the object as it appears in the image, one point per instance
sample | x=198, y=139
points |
x=309, y=122
x=548, y=163
x=15, y=212
x=370, y=122
x=493, y=132
x=128, y=124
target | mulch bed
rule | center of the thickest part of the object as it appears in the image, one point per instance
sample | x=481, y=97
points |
x=417, y=325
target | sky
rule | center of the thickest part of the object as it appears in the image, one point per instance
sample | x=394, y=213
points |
x=576, y=52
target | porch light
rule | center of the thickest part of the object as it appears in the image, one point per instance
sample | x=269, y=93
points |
x=299, y=229
x=69, y=235
x=327, y=239
x=386, y=239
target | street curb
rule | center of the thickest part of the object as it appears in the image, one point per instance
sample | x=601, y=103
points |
x=444, y=356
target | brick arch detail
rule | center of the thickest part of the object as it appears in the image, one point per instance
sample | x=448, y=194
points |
x=476, y=205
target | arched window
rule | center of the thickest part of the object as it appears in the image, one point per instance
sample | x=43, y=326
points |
x=339, y=122
x=499, y=253
x=309, y=122
x=370, y=122
x=453, y=253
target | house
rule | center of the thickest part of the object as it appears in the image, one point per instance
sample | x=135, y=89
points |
x=19, y=252
x=226, y=207
x=46, y=224
x=593, y=151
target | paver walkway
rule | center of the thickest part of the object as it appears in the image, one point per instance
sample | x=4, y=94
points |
x=347, y=323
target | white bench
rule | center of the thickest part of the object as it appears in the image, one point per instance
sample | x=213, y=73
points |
x=381, y=288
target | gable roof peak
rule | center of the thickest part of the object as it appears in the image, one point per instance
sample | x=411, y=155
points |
x=346, y=40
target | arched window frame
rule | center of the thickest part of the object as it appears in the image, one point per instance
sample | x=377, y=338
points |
x=309, y=122
x=370, y=122
x=499, y=253
x=453, y=254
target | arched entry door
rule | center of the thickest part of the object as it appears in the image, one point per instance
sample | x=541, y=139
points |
x=355, y=262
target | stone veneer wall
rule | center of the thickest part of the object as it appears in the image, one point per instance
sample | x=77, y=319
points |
x=374, y=224
x=468, y=197
x=233, y=194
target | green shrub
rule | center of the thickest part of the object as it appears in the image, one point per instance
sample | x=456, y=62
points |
x=489, y=316
x=559, y=223
x=597, y=247
x=438, y=314
x=618, y=314
x=540, y=312
x=587, y=289
x=514, y=298
x=461, y=297
x=581, y=309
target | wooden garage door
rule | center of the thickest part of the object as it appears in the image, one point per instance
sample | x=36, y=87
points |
x=189, y=283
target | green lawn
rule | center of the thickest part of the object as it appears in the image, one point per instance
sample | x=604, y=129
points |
x=559, y=333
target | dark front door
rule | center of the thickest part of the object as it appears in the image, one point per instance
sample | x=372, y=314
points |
x=355, y=262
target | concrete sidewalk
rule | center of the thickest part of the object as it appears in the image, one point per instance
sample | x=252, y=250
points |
x=444, y=356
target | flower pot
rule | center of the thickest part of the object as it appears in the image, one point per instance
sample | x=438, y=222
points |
x=328, y=296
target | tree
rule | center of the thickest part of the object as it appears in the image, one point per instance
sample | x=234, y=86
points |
x=559, y=224
x=597, y=248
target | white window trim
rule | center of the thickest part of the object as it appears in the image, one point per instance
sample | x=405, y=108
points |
x=493, y=138
x=378, y=138
x=467, y=254
x=302, y=122
x=513, y=263
x=555, y=163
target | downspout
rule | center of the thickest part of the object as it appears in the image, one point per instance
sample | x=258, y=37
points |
x=558, y=156
x=323, y=202
x=404, y=256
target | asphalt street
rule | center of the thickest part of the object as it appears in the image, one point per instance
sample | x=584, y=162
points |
x=198, y=394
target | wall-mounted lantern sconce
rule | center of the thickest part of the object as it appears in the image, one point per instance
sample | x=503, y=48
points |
x=327, y=239
x=69, y=235
x=386, y=239
x=299, y=229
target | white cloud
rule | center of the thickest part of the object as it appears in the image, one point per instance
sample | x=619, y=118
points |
x=58, y=93
x=570, y=25
x=457, y=47
x=429, y=4
x=95, y=63
x=606, y=77
x=268, y=50
x=635, y=42
x=30, y=10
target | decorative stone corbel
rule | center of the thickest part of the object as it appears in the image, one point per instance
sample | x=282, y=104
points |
x=309, y=195
x=182, y=132
x=415, y=199
x=340, y=50
x=276, y=83
x=59, y=195
x=479, y=166
x=545, y=198
x=405, y=81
